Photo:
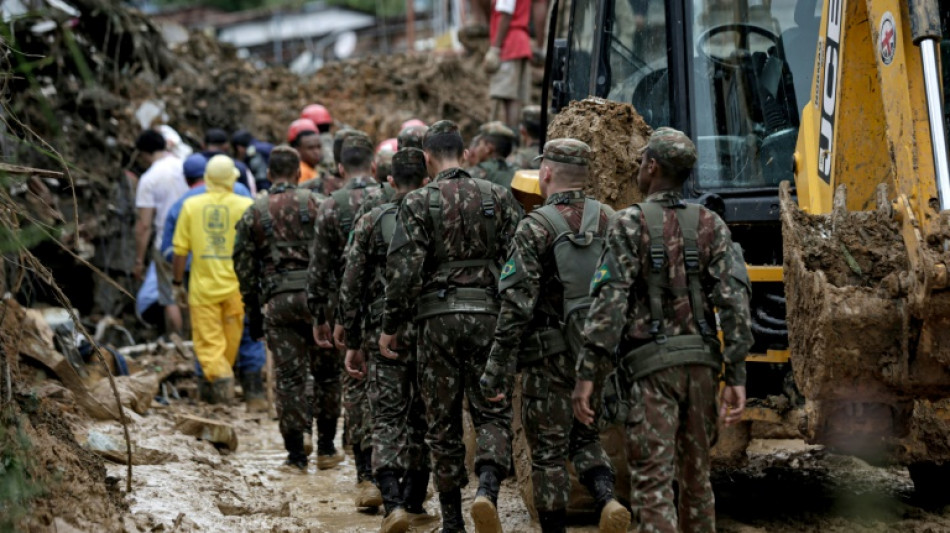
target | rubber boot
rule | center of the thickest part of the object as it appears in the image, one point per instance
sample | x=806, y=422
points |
x=327, y=456
x=205, y=391
x=293, y=442
x=553, y=521
x=396, y=519
x=253, y=386
x=223, y=391
x=614, y=517
x=451, y=504
x=484, y=511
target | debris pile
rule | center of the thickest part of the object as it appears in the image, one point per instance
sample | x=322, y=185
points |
x=615, y=132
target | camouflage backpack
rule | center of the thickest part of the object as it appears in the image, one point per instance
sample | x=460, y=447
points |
x=576, y=256
x=342, y=199
x=284, y=280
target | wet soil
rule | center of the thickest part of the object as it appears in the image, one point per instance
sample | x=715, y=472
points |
x=785, y=486
x=615, y=132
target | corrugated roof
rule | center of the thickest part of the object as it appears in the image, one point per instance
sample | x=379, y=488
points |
x=295, y=26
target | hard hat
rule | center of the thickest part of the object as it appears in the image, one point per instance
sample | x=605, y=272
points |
x=389, y=145
x=299, y=126
x=412, y=122
x=317, y=113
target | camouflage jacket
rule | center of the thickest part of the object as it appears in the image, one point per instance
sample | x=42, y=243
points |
x=374, y=198
x=253, y=250
x=524, y=157
x=412, y=262
x=325, y=183
x=534, y=299
x=619, y=317
x=497, y=171
x=327, y=250
x=363, y=283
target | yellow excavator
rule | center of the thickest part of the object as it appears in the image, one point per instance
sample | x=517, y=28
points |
x=820, y=131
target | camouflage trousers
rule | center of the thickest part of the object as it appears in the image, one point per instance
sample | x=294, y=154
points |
x=553, y=434
x=356, y=408
x=289, y=336
x=453, y=350
x=399, y=416
x=670, y=428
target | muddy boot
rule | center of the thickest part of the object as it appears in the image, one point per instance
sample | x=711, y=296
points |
x=253, y=386
x=484, y=512
x=367, y=495
x=293, y=442
x=614, y=517
x=223, y=391
x=205, y=391
x=451, y=504
x=415, y=487
x=553, y=521
x=327, y=456
x=396, y=519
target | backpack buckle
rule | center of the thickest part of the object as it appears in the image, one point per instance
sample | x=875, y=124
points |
x=691, y=258
x=657, y=256
x=488, y=209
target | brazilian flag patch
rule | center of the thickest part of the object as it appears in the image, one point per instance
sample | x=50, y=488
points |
x=508, y=269
x=601, y=276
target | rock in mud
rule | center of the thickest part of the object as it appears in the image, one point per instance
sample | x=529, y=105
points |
x=218, y=433
x=615, y=132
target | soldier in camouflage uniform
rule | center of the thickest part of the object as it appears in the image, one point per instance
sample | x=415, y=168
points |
x=537, y=305
x=495, y=142
x=335, y=220
x=450, y=241
x=271, y=254
x=527, y=156
x=409, y=137
x=667, y=265
x=400, y=456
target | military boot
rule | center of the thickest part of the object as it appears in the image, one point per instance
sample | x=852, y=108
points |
x=367, y=494
x=484, y=510
x=614, y=517
x=293, y=442
x=415, y=487
x=451, y=504
x=327, y=456
x=553, y=521
x=396, y=519
x=253, y=386
x=223, y=391
x=307, y=444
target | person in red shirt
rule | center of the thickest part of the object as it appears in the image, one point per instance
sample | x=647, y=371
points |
x=508, y=59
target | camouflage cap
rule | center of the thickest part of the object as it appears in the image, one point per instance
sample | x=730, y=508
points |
x=411, y=137
x=570, y=151
x=531, y=113
x=442, y=127
x=413, y=157
x=673, y=147
x=357, y=139
x=496, y=128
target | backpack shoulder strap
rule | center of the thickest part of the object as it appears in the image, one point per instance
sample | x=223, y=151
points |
x=591, y=220
x=488, y=211
x=435, y=213
x=552, y=220
x=262, y=206
x=654, y=214
x=689, y=224
x=344, y=210
x=386, y=222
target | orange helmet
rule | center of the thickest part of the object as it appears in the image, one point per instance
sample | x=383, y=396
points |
x=299, y=126
x=317, y=113
x=389, y=145
x=412, y=122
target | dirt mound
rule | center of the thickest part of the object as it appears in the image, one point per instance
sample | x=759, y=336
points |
x=859, y=249
x=615, y=132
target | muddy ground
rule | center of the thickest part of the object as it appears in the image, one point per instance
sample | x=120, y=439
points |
x=786, y=486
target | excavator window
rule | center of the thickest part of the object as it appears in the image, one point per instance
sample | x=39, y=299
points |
x=752, y=63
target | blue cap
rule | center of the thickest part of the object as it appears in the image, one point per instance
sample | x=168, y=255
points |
x=194, y=166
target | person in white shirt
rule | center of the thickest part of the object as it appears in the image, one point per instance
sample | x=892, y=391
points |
x=159, y=187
